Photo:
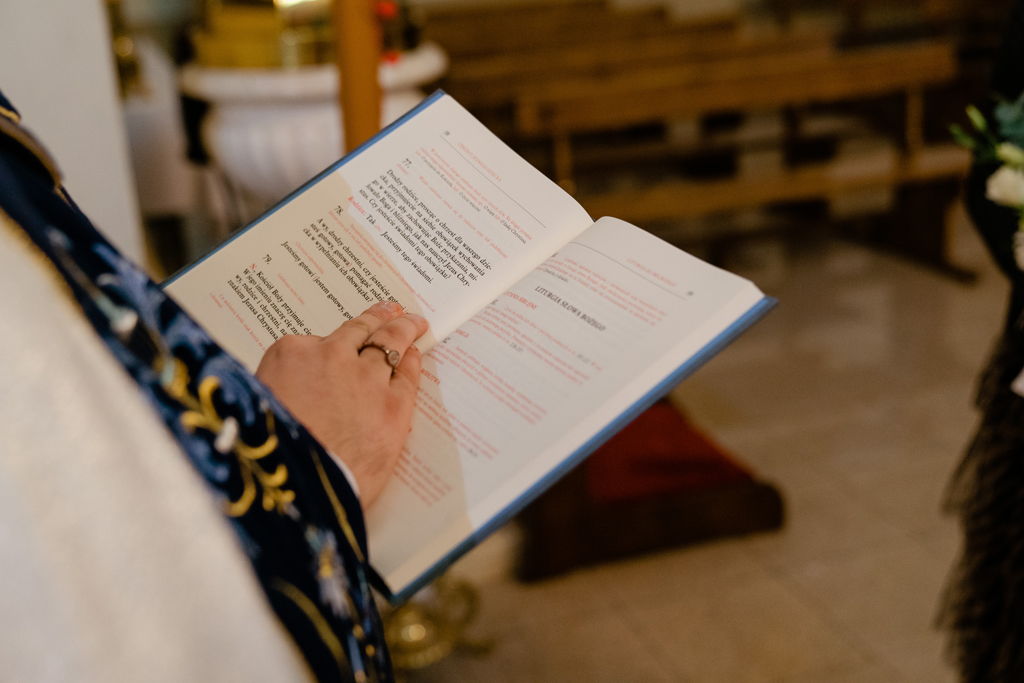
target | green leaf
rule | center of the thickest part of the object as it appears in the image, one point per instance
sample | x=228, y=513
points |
x=977, y=118
x=962, y=137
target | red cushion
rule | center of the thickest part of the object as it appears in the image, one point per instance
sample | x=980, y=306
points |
x=658, y=453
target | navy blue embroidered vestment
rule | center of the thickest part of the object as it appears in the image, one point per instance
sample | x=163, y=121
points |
x=294, y=512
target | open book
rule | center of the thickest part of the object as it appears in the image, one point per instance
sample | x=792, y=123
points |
x=549, y=331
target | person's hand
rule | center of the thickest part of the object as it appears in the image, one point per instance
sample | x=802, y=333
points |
x=345, y=393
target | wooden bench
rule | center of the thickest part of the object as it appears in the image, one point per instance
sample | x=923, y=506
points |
x=568, y=74
x=803, y=76
x=489, y=29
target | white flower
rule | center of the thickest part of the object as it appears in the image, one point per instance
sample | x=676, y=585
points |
x=1018, y=253
x=1006, y=187
x=1010, y=153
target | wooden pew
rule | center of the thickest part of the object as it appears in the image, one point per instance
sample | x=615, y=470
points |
x=499, y=51
x=782, y=79
x=490, y=29
x=508, y=77
x=777, y=79
x=568, y=75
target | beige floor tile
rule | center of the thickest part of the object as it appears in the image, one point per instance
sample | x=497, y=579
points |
x=876, y=437
x=885, y=598
x=920, y=659
x=578, y=596
x=673, y=576
x=907, y=492
x=509, y=660
x=867, y=334
x=942, y=541
x=823, y=523
x=871, y=673
x=892, y=464
x=754, y=631
x=600, y=648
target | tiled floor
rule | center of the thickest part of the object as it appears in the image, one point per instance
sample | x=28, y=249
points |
x=854, y=398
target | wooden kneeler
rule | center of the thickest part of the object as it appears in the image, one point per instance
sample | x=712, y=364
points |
x=658, y=484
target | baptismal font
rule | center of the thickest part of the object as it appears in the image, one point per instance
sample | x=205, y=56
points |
x=267, y=69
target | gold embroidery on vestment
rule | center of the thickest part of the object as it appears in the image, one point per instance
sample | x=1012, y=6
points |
x=201, y=413
x=309, y=608
x=9, y=127
x=339, y=510
x=10, y=114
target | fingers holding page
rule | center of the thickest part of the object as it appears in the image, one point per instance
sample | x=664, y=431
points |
x=356, y=331
x=383, y=332
x=395, y=339
x=356, y=404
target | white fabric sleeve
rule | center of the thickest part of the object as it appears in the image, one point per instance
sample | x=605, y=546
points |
x=346, y=471
x=118, y=564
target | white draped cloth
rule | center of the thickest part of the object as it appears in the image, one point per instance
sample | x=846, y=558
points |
x=115, y=562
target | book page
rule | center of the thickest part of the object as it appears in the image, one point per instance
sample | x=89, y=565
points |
x=436, y=213
x=537, y=374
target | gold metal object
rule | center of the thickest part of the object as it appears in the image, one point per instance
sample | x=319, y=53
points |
x=429, y=627
x=129, y=76
x=264, y=33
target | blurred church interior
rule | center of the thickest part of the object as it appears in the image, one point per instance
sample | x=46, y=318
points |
x=779, y=516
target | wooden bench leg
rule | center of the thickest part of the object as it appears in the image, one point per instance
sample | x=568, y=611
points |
x=913, y=125
x=561, y=148
x=920, y=227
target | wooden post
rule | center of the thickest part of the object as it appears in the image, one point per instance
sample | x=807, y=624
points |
x=854, y=13
x=357, y=54
x=561, y=149
x=914, y=124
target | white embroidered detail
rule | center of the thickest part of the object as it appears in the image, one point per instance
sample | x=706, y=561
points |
x=227, y=436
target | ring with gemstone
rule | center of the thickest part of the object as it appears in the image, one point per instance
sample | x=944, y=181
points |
x=391, y=356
